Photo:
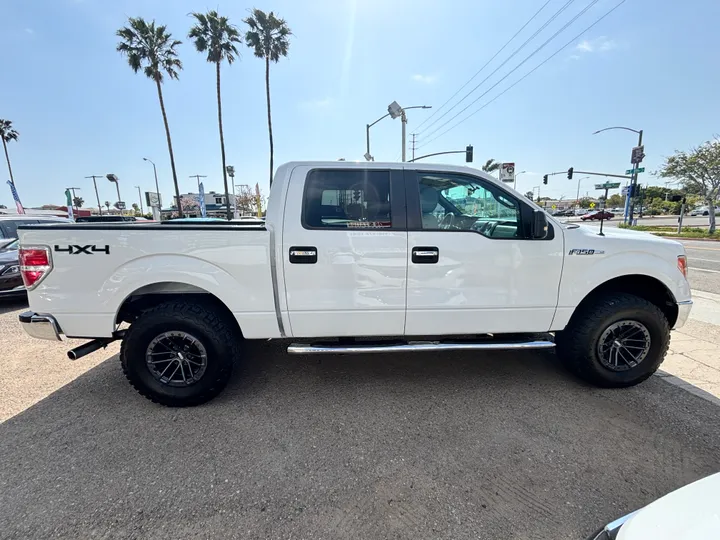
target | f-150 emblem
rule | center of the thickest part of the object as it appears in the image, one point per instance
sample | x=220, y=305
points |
x=87, y=250
x=586, y=252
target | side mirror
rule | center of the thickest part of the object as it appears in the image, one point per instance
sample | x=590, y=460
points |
x=539, y=225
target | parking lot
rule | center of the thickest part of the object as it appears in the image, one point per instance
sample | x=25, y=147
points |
x=393, y=446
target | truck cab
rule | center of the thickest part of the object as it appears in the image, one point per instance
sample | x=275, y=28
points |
x=358, y=258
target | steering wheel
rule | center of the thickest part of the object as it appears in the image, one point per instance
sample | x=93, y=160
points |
x=447, y=221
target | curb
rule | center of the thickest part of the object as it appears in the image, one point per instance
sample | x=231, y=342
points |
x=685, y=238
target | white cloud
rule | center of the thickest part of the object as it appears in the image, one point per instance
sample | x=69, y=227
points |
x=425, y=79
x=608, y=45
x=29, y=31
x=601, y=44
x=585, y=46
x=574, y=57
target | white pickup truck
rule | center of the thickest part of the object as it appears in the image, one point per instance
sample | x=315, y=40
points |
x=357, y=258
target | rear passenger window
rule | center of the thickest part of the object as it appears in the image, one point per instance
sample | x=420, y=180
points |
x=347, y=199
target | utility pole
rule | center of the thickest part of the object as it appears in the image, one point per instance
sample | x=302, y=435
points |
x=198, y=177
x=413, y=147
x=94, y=176
x=140, y=197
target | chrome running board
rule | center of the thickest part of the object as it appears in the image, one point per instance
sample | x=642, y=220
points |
x=415, y=346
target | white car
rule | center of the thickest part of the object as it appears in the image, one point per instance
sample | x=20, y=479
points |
x=689, y=513
x=703, y=211
x=350, y=250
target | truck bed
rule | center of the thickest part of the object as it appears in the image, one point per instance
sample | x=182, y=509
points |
x=97, y=267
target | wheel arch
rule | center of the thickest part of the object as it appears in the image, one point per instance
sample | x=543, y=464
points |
x=647, y=287
x=151, y=295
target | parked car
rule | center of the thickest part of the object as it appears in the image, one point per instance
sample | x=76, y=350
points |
x=9, y=224
x=105, y=219
x=352, y=256
x=598, y=215
x=703, y=211
x=11, y=283
x=690, y=513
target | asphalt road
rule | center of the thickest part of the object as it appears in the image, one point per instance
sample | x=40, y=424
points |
x=404, y=446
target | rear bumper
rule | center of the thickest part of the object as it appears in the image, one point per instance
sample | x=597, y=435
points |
x=40, y=326
x=683, y=313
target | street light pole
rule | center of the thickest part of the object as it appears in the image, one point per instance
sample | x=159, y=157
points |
x=633, y=182
x=142, y=211
x=157, y=190
x=515, y=181
x=577, y=197
x=231, y=172
x=96, y=190
x=113, y=178
x=394, y=110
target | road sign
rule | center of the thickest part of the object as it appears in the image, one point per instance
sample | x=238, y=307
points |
x=153, y=199
x=638, y=170
x=120, y=205
x=638, y=153
x=553, y=207
x=507, y=172
x=592, y=205
x=624, y=191
x=608, y=185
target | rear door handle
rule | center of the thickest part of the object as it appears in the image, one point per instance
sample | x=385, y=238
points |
x=303, y=255
x=425, y=255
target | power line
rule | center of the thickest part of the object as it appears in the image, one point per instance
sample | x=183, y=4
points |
x=484, y=66
x=591, y=4
x=512, y=55
x=526, y=75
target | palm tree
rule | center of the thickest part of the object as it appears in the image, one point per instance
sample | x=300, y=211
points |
x=214, y=34
x=107, y=203
x=268, y=36
x=152, y=48
x=78, y=201
x=491, y=166
x=7, y=134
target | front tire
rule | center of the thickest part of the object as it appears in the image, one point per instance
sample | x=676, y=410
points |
x=180, y=354
x=615, y=342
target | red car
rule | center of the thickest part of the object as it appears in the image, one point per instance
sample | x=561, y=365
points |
x=600, y=214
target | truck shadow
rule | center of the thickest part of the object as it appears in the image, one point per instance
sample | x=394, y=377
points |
x=425, y=445
x=12, y=303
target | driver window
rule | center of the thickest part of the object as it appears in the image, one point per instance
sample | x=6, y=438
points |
x=462, y=203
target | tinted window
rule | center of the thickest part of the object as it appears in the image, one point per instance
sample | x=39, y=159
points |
x=462, y=203
x=347, y=199
x=10, y=226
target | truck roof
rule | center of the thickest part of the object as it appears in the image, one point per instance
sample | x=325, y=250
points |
x=419, y=165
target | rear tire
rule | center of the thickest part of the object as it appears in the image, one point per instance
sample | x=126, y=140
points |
x=180, y=354
x=587, y=346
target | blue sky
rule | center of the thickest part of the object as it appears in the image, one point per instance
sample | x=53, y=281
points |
x=80, y=110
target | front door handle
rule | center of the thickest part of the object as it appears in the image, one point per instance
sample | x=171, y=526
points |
x=303, y=255
x=425, y=254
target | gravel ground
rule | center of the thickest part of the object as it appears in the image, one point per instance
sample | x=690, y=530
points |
x=425, y=446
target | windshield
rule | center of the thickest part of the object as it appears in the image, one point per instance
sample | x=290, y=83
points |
x=8, y=244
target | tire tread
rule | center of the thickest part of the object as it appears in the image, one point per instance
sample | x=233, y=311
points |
x=196, y=314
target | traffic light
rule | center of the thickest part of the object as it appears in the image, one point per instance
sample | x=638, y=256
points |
x=545, y=179
x=570, y=173
x=468, y=153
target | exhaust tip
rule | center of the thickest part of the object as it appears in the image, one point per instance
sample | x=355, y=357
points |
x=71, y=355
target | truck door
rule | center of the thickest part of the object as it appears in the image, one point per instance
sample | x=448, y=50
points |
x=345, y=252
x=472, y=265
